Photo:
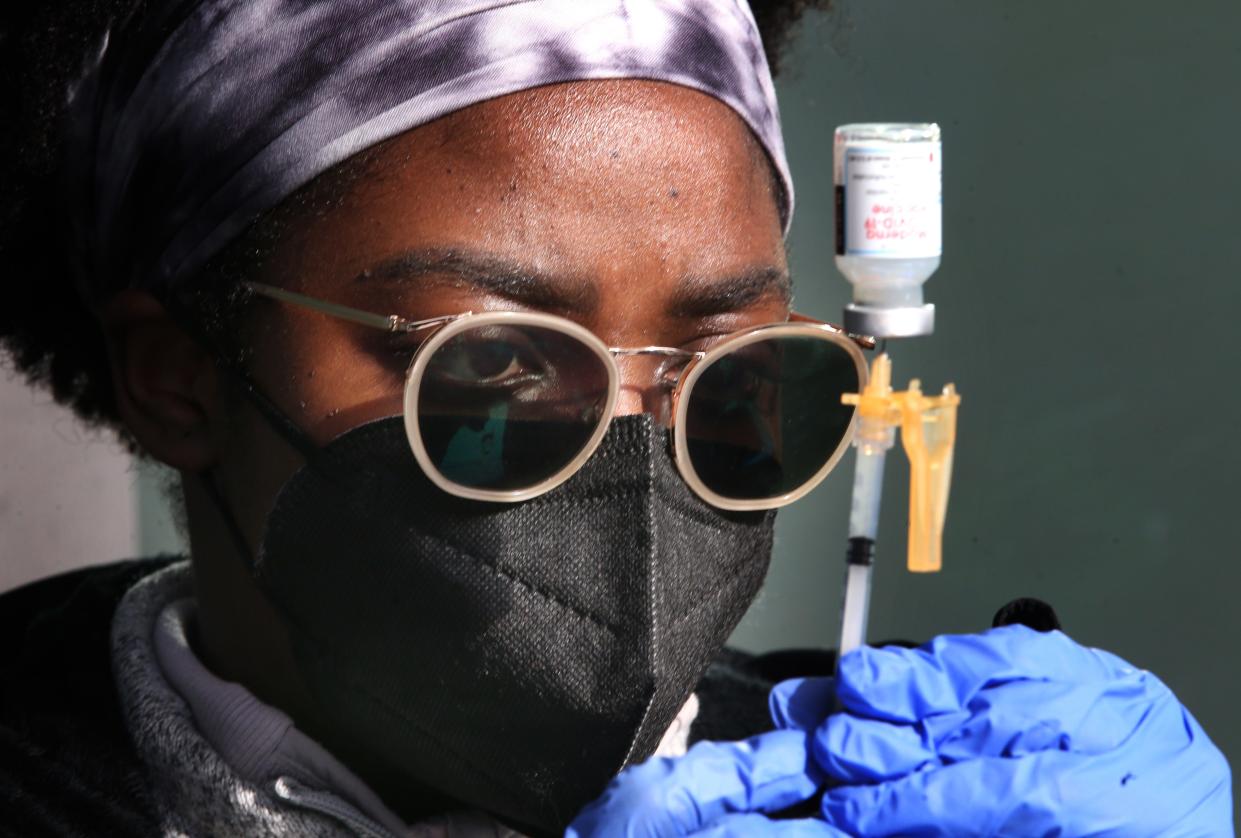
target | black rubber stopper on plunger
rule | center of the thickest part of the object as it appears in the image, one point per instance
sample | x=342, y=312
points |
x=1027, y=611
x=861, y=551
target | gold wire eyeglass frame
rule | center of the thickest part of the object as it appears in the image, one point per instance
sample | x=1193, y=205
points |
x=444, y=328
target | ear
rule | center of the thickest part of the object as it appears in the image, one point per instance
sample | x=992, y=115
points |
x=167, y=387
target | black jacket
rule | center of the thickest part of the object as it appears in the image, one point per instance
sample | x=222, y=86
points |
x=68, y=766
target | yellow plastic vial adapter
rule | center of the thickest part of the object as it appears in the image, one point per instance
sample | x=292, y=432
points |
x=928, y=427
x=928, y=435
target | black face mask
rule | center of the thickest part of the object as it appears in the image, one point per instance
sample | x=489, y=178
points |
x=512, y=657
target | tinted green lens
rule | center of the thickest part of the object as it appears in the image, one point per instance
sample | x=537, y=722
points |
x=763, y=420
x=505, y=407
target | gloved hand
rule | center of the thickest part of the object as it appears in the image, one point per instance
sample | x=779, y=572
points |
x=1009, y=733
x=718, y=789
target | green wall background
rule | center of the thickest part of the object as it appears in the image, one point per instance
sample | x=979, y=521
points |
x=1087, y=310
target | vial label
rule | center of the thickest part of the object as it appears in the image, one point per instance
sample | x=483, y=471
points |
x=889, y=201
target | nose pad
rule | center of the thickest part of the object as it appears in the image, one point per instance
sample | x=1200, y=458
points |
x=645, y=387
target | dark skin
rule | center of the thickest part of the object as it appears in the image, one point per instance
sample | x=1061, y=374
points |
x=644, y=211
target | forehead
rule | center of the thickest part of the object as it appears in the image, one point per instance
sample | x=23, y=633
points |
x=604, y=181
x=615, y=119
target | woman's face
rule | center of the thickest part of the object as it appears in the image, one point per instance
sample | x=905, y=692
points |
x=644, y=211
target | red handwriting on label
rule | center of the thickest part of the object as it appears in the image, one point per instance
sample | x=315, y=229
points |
x=901, y=222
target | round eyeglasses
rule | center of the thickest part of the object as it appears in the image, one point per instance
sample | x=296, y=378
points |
x=506, y=405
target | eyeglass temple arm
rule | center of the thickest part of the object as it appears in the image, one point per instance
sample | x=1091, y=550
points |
x=396, y=323
x=864, y=341
x=387, y=322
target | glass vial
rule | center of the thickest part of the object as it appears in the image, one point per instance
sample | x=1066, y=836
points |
x=889, y=228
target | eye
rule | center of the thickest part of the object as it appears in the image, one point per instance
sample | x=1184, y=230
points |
x=483, y=361
x=489, y=356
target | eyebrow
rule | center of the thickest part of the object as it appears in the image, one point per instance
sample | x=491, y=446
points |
x=703, y=297
x=490, y=273
x=693, y=296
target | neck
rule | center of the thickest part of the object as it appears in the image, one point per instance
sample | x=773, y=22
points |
x=239, y=635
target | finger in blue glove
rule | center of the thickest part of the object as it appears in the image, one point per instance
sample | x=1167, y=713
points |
x=802, y=703
x=849, y=748
x=905, y=685
x=674, y=797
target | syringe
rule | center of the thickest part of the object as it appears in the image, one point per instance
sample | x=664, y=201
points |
x=888, y=242
x=872, y=440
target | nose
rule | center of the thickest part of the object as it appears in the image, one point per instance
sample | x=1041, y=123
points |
x=645, y=386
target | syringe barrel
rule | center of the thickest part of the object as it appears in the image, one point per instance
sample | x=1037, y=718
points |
x=863, y=528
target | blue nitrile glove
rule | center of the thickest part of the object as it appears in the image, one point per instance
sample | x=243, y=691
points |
x=1009, y=733
x=718, y=789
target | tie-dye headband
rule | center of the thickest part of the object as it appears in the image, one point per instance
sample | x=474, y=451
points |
x=211, y=112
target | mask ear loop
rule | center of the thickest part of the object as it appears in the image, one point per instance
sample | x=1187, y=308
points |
x=277, y=419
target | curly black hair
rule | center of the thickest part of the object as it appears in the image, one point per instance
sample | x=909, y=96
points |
x=50, y=332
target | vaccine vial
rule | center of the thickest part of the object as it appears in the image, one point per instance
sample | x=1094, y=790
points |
x=889, y=228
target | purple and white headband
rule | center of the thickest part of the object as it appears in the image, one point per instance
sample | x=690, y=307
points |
x=214, y=111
